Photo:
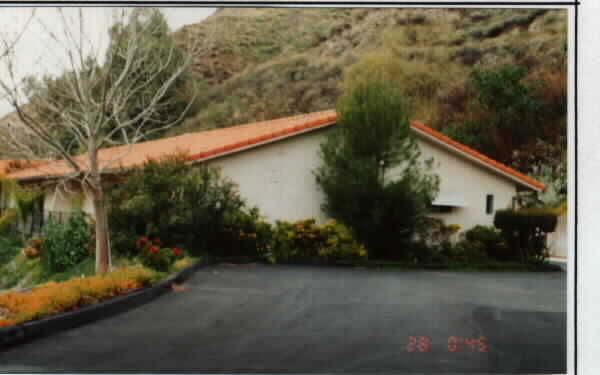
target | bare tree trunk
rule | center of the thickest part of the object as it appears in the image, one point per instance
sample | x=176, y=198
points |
x=92, y=103
x=99, y=211
x=101, y=231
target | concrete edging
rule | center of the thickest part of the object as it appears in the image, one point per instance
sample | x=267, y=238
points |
x=26, y=331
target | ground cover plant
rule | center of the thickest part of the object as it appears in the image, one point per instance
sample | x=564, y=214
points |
x=55, y=297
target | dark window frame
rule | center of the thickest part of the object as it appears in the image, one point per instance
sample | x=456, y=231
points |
x=489, y=204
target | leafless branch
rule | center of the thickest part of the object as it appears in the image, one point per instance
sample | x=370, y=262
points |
x=91, y=101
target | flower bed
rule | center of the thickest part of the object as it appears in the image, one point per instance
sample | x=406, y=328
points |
x=184, y=262
x=154, y=256
x=52, y=297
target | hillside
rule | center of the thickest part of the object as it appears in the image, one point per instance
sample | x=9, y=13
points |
x=267, y=63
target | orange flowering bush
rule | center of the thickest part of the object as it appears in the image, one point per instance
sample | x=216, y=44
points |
x=53, y=297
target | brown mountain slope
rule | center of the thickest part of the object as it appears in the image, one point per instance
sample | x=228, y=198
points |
x=267, y=63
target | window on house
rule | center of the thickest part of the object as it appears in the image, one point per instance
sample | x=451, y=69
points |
x=37, y=216
x=489, y=204
x=447, y=201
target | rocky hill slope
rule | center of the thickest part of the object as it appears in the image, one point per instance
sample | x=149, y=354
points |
x=268, y=63
x=264, y=63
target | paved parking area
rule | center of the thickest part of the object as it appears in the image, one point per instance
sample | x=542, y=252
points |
x=273, y=319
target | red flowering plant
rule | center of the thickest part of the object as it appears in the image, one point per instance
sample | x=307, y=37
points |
x=156, y=257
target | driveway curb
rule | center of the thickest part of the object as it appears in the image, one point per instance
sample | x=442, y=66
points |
x=26, y=331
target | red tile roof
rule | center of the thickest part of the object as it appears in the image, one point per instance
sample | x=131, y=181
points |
x=197, y=146
x=212, y=143
x=479, y=156
x=10, y=166
x=3, y=167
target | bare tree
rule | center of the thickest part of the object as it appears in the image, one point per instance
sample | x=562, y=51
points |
x=92, y=104
x=10, y=42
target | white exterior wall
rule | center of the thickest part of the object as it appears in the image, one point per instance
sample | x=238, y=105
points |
x=558, y=240
x=462, y=177
x=66, y=201
x=278, y=177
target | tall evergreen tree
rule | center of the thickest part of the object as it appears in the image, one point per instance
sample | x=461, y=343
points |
x=372, y=175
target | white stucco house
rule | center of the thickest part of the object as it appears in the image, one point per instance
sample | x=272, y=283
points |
x=558, y=240
x=273, y=163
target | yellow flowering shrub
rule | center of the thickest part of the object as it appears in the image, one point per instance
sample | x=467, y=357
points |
x=306, y=240
x=53, y=297
x=183, y=262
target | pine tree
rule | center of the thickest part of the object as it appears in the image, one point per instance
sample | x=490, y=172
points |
x=372, y=175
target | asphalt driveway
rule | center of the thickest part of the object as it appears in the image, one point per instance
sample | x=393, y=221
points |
x=271, y=319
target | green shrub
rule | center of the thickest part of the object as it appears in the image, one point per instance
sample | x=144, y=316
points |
x=435, y=232
x=422, y=252
x=9, y=217
x=494, y=243
x=513, y=112
x=244, y=233
x=307, y=241
x=86, y=268
x=526, y=230
x=66, y=244
x=469, y=252
x=464, y=133
x=540, y=218
x=478, y=245
x=433, y=243
x=188, y=207
x=9, y=248
x=372, y=140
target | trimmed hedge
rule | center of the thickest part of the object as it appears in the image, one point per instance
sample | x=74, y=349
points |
x=526, y=230
x=526, y=219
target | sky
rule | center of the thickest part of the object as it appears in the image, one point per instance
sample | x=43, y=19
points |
x=38, y=54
